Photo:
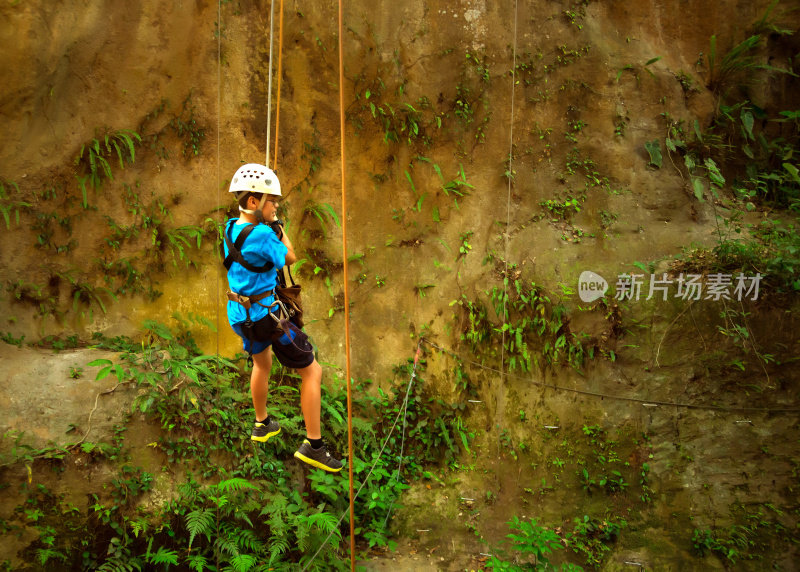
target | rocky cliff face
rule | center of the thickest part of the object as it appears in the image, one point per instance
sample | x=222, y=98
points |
x=495, y=153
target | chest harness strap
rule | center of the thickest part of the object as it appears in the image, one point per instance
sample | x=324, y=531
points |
x=235, y=249
x=235, y=255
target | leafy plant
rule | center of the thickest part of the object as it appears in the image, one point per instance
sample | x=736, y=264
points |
x=533, y=542
x=654, y=150
x=10, y=206
x=322, y=212
x=738, y=65
x=186, y=127
x=93, y=160
x=592, y=537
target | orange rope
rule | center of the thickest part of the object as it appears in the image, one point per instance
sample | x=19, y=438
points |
x=346, y=301
x=278, y=100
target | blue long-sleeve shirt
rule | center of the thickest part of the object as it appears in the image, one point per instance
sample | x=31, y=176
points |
x=260, y=248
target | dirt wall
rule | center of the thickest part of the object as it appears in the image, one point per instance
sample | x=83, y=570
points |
x=459, y=175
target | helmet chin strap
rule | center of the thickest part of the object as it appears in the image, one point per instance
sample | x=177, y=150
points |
x=258, y=212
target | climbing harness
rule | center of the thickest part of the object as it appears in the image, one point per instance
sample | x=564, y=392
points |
x=276, y=324
x=290, y=297
x=235, y=249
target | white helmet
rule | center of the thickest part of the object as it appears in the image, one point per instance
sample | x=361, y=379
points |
x=255, y=178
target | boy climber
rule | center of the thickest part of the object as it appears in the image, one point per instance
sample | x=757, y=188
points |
x=255, y=249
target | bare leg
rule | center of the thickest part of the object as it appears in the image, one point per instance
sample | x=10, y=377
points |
x=259, y=382
x=310, y=389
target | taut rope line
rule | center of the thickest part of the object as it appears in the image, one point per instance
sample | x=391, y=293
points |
x=278, y=91
x=510, y=176
x=346, y=299
x=645, y=402
x=269, y=77
x=377, y=458
x=217, y=296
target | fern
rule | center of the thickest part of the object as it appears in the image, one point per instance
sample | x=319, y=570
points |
x=197, y=563
x=302, y=531
x=45, y=554
x=235, y=485
x=163, y=556
x=323, y=212
x=117, y=564
x=277, y=504
x=96, y=167
x=334, y=410
x=226, y=543
x=199, y=522
x=326, y=522
x=243, y=562
x=278, y=545
x=248, y=541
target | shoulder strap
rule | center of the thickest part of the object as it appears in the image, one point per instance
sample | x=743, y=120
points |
x=282, y=277
x=235, y=250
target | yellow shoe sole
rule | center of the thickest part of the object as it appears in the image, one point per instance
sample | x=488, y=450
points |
x=316, y=464
x=266, y=437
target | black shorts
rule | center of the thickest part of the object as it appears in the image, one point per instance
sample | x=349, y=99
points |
x=293, y=351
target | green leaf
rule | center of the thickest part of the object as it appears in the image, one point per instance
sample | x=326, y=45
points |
x=747, y=122
x=236, y=484
x=197, y=563
x=714, y=174
x=243, y=562
x=699, y=188
x=158, y=329
x=164, y=556
x=408, y=176
x=697, y=131
x=793, y=172
x=82, y=183
x=654, y=149
x=103, y=373
x=421, y=199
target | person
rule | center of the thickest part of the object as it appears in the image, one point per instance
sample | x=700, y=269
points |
x=255, y=249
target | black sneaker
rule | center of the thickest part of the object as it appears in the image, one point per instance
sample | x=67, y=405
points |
x=262, y=432
x=319, y=458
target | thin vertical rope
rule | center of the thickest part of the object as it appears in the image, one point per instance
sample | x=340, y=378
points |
x=219, y=122
x=219, y=201
x=278, y=91
x=396, y=477
x=510, y=168
x=269, y=78
x=508, y=202
x=350, y=456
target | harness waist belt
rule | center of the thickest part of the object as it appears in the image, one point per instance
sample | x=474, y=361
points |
x=248, y=301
